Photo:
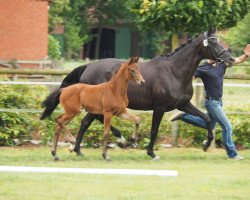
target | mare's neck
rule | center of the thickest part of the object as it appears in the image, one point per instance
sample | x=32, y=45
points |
x=120, y=81
x=186, y=60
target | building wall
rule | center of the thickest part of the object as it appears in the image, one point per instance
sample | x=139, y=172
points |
x=23, y=29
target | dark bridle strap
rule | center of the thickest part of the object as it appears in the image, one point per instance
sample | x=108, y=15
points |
x=224, y=50
x=218, y=54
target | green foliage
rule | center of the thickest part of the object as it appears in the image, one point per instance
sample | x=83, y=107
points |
x=54, y=48
x=190, y=16
x=15, y=124
x=78, y=15
x=72, y=16
x=232, y=36
x=57, y=12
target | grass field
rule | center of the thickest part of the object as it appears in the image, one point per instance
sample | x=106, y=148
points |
x=201, y=175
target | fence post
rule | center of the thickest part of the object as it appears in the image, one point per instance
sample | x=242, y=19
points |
x=174, y=130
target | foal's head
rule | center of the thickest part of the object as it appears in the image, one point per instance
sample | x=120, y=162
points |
x=134, y=73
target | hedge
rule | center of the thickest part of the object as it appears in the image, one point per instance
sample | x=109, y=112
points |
x=24, y=125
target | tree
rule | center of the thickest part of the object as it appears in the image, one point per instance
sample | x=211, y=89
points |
x=72, y=15
x=190, y=16
x=242, y=29
x=103, y=13
x=77, y=16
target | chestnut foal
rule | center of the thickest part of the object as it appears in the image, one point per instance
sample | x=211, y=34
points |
x=108, y=99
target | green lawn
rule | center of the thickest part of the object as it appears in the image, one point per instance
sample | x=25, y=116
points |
x=201, y=175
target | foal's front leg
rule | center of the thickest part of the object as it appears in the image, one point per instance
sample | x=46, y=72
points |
x=136, y=119
x=107, y=124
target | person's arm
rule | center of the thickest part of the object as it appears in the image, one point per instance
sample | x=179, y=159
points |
x=243, y=57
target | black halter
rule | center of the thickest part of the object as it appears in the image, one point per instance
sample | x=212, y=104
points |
x=216, y=55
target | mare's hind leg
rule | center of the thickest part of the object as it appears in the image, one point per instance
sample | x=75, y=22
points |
x=85, y=123
x=115, y=132
x=136, y=119
x=61, y=122
x=191, y=109
x=107, y=123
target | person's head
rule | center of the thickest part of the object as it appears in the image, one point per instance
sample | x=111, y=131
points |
x=210, y=61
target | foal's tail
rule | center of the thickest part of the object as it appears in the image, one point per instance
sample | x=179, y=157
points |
x=51, y=102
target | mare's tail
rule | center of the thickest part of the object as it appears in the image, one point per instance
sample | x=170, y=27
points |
x=51, y=102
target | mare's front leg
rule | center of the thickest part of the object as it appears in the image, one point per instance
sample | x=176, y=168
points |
x=157, y=117
x=136, y=119
x=107, y=124
x=191, y=109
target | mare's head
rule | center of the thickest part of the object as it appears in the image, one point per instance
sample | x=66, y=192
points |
x=213, y=49
x=133, y=71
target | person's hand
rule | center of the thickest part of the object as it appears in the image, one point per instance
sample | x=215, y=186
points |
x=247, y=50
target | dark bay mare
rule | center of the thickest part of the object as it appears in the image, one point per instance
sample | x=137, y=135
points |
x=168, y=84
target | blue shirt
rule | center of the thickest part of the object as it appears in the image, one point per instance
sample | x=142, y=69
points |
x=212, y=78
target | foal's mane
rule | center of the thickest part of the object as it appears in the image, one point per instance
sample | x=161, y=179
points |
x=180, y=47
x=110, y=74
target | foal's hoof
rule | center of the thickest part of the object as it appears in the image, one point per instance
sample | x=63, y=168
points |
x=56, y=158
x=106, y=157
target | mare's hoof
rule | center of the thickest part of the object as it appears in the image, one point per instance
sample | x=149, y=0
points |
x=156, y=158
x=134, y=145
x=121, y=140
x=78, y=152
x=71, y=148
x=151, y=154
x=206, y=144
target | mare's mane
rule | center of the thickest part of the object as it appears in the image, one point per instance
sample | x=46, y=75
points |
x=180, y=47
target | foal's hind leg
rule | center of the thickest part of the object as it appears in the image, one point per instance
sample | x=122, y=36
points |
x=136, y=119
x=55, y=141
x=61, y=122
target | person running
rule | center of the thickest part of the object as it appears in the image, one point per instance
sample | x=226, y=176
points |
x=212, y=75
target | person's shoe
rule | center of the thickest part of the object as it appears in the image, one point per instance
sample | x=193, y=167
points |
x=238, y=158
x=177, y=116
